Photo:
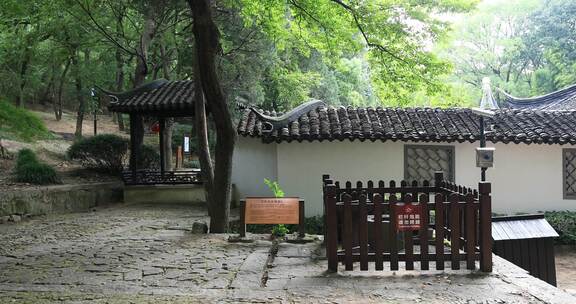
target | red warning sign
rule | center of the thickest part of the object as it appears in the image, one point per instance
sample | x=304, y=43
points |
x=408, y=217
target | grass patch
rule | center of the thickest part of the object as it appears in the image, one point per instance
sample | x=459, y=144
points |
x=19, y=124
x=30, y=170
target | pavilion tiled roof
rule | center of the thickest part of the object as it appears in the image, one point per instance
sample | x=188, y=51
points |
x=416, y=124
x=157, y=97
x=563, y=100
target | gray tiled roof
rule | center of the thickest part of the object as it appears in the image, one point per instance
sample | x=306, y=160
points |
x=417, y=124
x=176, y=97
x=564, y=99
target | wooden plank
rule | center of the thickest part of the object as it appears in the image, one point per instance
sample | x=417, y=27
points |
x=542, y=268
x=423, y=234
x=363, y=233
x=409, y=240
x=347, y=237
x=392, y=234
x=455, y=230
x=470, y=232
x=378, y=232
x=525, y=255
x=550, y=263
x=331, y=228
x=439, y=227
x=533, y=270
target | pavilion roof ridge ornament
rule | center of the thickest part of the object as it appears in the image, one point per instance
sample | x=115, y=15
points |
x=119, y=96
x=488, y=102
x=274, y=123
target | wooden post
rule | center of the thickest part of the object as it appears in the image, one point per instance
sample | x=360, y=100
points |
x=179, y=157
x=485, y=189
x=242, y=228
x=392, y=232
x=162, y=123
x=301, y=220
x=331, y=229
x=378, y=229
x=439, y=227
x=423, y=234
x=133, y=147
x=347, y=233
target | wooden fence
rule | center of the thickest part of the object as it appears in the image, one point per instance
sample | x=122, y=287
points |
x=454, y=225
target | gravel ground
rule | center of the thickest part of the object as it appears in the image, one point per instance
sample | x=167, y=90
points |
x=148, y=254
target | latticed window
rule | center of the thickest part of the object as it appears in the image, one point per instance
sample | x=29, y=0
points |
x=569, y=164
x=421, y=161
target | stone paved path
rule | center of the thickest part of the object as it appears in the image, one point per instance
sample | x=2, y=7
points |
x=146, y=254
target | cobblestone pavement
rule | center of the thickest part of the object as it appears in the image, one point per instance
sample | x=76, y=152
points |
x=147, y=254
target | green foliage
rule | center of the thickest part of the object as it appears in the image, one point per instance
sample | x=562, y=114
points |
x=149, y=158
x=274, y=186
x=29, y=170
x=104, y=153
x=314, y=225
x=280, y=229
x=564, y=222
x=20, y=124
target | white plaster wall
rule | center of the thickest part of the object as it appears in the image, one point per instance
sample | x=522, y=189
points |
x=253, y=161
x=301, y=165
x=526, y=178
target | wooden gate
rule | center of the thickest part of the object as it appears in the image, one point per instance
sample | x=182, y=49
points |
x=368, y=224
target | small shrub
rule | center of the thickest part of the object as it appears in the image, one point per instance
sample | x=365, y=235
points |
x=564, y=222
x=104, y=153
x=149, y=158
x=25, y=157
x=30, y=170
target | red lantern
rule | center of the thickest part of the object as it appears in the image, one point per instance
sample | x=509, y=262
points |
x=155, y=128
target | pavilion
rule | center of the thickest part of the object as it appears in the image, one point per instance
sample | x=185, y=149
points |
x=160, y=100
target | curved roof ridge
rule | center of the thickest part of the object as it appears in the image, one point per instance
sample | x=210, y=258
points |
x=563, y=99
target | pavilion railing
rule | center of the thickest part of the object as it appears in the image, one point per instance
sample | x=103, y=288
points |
x=157, y=177
x=362, y=222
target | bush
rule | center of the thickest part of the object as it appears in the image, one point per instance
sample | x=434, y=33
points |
x=564, y=222
x=149, y=158
x=20, y=124
x=30, y=170
x=25, y=156
x=104, y=153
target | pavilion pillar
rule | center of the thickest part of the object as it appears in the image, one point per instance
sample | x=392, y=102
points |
x=133, y=146
x=162, y=133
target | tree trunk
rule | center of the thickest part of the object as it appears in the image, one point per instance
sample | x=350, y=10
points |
x=119, y=85
x=23, y=72
x=58, y=106
x=141, y=70
x=201, y=128
x=208, y=45
x=79, y=94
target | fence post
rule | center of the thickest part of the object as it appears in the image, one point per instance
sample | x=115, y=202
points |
x=242, y=228
x=485, y=201
x=331, y=228
x=325, y=182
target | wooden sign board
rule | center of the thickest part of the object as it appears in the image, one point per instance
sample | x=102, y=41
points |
x=408, y=217
x=272, y=210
